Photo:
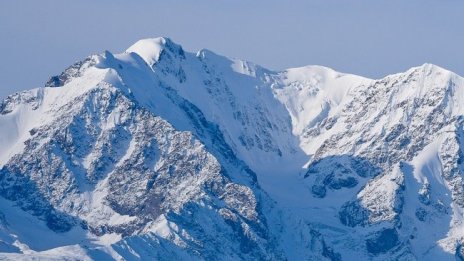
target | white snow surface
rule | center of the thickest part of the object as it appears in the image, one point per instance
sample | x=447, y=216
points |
x=297, y=129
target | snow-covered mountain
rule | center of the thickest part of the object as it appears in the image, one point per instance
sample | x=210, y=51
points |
x=161, y=154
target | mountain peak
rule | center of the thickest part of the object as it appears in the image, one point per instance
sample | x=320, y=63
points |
x=429, y=68
x=150, y=49
x=158, y=153
x=425, y=70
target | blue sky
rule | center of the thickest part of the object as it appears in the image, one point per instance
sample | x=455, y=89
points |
x=370, y=38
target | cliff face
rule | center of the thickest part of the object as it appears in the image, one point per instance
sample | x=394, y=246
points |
x=157, y=153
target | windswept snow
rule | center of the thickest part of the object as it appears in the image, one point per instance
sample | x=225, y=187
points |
x=161, y=153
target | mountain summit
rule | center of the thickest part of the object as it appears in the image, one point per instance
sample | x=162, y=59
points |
x=162, y=154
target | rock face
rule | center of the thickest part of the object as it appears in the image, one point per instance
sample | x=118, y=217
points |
x=158, y=153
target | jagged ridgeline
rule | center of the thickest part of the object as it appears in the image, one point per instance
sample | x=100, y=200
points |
x=162, y=154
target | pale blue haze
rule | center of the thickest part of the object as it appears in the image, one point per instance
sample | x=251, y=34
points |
x=369, y=38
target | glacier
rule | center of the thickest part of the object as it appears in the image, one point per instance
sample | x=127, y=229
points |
x=157, y=153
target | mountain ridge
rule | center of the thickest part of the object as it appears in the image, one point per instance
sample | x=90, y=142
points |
x=304, y=163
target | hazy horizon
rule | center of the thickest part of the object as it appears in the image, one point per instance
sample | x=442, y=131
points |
x=372, y=39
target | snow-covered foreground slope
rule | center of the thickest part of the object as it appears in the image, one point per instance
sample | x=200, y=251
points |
x=162, y=154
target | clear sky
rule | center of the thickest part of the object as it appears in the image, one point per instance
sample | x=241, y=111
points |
x=372, y=38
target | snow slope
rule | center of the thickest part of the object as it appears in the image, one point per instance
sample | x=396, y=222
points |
x=159, y=153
